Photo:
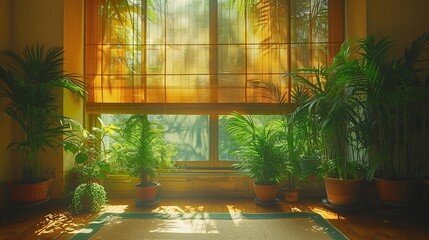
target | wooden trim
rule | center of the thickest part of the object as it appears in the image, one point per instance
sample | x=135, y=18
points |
x=186, y=184
x=191, y=108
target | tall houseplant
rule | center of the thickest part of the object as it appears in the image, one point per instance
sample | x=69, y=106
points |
x=398, y=113
x=337, y=108
x=261, y=154
x=141, y=150
x=31, y=82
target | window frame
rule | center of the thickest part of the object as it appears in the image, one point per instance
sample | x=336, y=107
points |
x=214, y=109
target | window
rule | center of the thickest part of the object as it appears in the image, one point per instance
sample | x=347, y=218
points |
x=198, y=59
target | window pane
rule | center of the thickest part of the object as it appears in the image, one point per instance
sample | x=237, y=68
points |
x=231, y=22
x=189, y=133
x=227, y=144
x=187, y=22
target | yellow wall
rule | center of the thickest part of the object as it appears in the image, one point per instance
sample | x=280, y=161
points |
x=4, y=24
x=34, y=22
x=355, y=18
x=5, y=121
x=402, y=20
x=73, y=45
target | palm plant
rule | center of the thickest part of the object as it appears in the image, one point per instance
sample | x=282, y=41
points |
x=261, y=152
x=330, y=102
x=302, y=129
x=397, y=106
x=32, y=82
x=140, y=148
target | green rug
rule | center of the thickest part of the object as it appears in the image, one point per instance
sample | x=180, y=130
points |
x=272, y=226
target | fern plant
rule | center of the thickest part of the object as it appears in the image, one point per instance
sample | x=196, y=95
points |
x=140, y=148
x=261, y=153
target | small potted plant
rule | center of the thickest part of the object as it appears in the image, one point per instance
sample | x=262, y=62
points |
x=141, y=150
x=307, y=134
x=32, y=82
x=261, y=154
x=91, y=167
x=291, y=190
x=88, y=198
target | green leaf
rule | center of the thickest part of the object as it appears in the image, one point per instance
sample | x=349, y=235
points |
x=81, y=157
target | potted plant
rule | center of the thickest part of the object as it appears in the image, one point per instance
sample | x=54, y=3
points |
x=294, y=171
x=306, y=127
x=89, y=150
x=91, y=165
x=261, y=154
x=31, y=83
x=88, y=198
x=302, y=135
x=141, y=150
x=307, y=134
x=398, y=109
x=337, y=108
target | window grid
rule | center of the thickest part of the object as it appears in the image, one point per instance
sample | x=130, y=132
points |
x=130, y=72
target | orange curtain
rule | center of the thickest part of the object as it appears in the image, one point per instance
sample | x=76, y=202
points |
x=203, y=54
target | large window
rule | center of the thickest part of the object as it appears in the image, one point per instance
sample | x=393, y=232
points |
x=190, y=60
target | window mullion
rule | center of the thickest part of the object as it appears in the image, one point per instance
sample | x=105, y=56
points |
x=213, y=140
x=144, y=50
x=213, y=50
x=213, y=71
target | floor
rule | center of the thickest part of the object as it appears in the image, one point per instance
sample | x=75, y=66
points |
x=53, y=221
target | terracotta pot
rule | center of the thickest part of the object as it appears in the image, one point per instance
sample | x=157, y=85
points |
x=147, y=193
x=342, y=193
x=396, y=191
x=291, y=194
x=266, y=193
x=28, y=192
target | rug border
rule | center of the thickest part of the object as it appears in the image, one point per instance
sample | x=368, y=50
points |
x=91, y=228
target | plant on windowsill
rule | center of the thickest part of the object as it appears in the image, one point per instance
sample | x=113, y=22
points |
x=91, y=166
x=307, y=135
x=141, y=150
x=291, y=190
x=261, y=154
x=302, y=137
x=32, y=82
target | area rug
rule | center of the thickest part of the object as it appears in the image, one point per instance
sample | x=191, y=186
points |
x=208, y=226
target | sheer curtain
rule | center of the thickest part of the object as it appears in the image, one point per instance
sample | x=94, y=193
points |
x=190, y=56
